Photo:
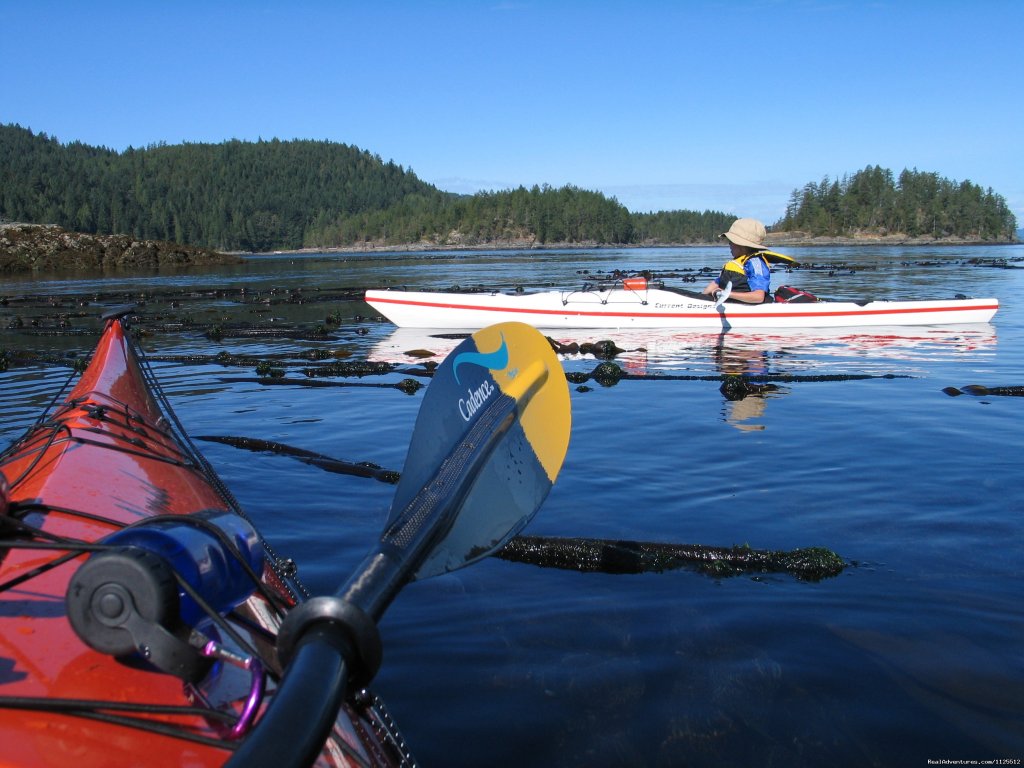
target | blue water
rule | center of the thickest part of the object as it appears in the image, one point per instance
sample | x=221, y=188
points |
x=914, y=653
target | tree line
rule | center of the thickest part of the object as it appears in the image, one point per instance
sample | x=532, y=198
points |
x=915, y=204
x=279, y=195
x=231, y=196
x=283, y=195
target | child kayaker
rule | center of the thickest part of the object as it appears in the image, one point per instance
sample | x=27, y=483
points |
x=747, y=271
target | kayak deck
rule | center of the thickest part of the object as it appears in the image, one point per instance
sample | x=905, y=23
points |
x=108, y=457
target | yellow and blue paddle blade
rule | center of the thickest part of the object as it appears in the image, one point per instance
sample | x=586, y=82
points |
x=489, y=441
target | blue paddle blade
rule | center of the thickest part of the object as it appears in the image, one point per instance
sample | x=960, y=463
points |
x=489, y=441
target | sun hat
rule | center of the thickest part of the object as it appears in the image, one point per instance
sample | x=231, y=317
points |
x=748, y=232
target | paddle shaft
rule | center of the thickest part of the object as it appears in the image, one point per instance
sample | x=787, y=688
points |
x=431, y=512
x=318, y=670
x=292, y=732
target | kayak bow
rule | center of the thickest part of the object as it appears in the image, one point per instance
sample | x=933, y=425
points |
x=106, y=656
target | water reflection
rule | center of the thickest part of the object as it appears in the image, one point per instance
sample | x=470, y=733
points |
x=804, y=351
x=415, y=345
x=750, y=364
x=745, y=398
x=788, y=352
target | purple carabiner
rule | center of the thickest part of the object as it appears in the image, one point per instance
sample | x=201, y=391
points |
x=257, y=686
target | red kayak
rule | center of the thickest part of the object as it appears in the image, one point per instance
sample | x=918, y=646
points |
x=138, y=605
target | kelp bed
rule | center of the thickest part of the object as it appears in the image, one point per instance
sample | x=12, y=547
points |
x=189, y=313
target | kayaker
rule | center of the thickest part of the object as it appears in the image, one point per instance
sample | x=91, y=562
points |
x=747, y=271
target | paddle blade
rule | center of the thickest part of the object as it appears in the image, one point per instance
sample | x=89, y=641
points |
x=778, y=258
x=492, y=433
x=723, y=294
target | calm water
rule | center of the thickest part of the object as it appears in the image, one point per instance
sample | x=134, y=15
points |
x=914, y=653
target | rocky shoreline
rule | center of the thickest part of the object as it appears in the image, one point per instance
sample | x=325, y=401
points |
x=48, y=248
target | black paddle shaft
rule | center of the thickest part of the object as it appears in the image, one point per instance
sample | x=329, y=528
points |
x=303, y=711
x=328, y=642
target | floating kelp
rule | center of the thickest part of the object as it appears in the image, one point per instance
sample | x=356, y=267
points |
x=359, y=469
x=239, y=294
x=225, y=359
x=325, y=354
x=981, y=391
x=602, y=350
x=595, y=555
x=608, y=374
x=10, y=358
x=350, y=368
x=58, y=332
x=218, y=333
x=178, y=312
x=266, y=368
x=625, y=557
x=408, y=386
x=738, y=387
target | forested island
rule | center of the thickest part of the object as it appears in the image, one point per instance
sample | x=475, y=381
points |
x=287, y=195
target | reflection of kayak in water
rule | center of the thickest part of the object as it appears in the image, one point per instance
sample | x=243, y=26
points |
x=638, y=303
x=415, y=345
x=895, y=344
x=960, y=338
x=662, y=348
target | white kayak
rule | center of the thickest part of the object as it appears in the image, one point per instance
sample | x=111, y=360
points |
x=637, y=303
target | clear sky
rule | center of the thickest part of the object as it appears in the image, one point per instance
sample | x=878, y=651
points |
x=726, y=105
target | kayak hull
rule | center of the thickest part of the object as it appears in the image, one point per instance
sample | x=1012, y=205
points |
x=111, y=456
x=659, y=308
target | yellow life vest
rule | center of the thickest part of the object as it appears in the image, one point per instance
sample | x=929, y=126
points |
x=736, y=265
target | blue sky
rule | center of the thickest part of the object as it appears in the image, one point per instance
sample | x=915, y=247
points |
x=727, y=105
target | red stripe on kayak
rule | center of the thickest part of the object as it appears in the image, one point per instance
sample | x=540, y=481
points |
x=584, y=313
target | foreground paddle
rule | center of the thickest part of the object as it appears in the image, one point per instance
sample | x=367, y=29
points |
x=489, y=441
